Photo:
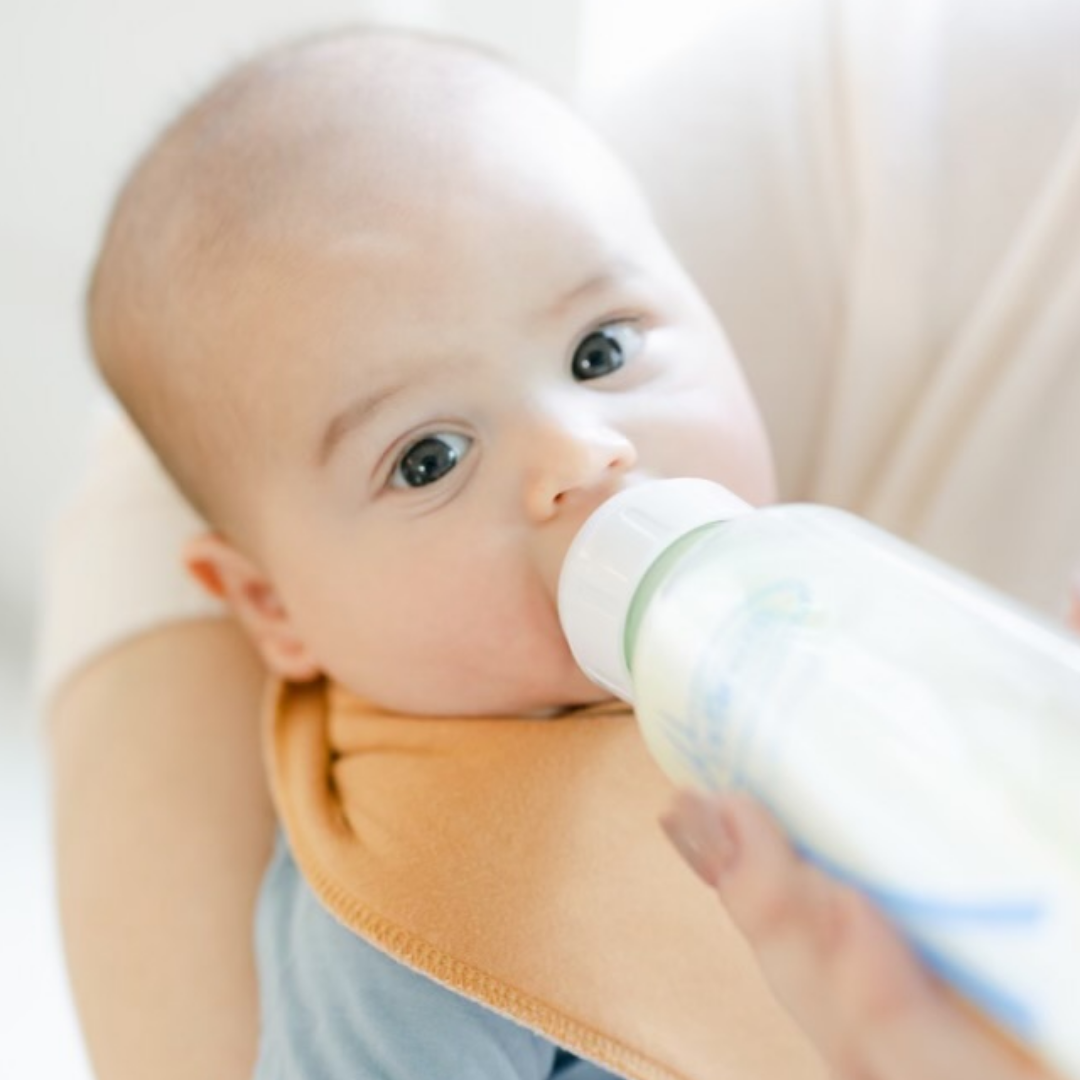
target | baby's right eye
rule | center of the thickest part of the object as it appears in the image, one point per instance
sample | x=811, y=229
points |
x=606, y=350
x=429, y=459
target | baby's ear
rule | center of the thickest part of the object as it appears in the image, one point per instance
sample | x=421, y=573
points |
x=229, y=575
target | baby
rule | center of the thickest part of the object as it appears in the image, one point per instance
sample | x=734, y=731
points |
x=396, y=322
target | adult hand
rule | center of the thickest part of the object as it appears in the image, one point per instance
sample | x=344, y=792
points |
x=839, y=968
x=843, y=973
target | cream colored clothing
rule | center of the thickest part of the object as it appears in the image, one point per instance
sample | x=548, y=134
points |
x=114, y=567
x=882, y=200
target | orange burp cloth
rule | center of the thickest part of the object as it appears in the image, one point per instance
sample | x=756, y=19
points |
x=520, y=862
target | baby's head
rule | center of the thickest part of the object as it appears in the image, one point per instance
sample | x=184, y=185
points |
x=397, y=322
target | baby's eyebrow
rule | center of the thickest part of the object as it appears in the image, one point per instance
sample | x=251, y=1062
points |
x=617, y=272
x=364, y=408
x=353, y=416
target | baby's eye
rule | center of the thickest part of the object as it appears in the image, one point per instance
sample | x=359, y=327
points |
x=429, y=459
x=605, y=350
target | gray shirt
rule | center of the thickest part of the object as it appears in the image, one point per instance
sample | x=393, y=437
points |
x=335, y=1007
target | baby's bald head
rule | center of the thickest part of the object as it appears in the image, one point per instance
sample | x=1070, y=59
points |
x=287, y=152
x=396, y=320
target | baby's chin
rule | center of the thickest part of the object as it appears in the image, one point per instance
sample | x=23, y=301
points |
x=574, y=691
x=596, y=696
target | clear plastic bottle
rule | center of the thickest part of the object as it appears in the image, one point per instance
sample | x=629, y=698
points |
x=917, y=733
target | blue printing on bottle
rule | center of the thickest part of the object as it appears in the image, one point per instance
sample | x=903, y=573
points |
x=906, y=908
x=701, y=740
x=701, y=745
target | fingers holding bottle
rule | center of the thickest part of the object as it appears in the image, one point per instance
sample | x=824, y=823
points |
x=828, y=956
x=841, y=970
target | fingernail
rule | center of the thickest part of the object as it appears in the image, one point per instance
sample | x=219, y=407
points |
x=697, y=826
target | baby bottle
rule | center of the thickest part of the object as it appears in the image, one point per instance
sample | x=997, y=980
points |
x=916, y=733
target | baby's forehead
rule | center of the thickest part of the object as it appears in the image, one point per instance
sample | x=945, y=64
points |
x=377, y=140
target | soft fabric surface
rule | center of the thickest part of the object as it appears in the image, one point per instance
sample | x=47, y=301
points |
x=520, y=862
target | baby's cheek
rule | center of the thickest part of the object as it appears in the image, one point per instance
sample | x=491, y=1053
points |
x=724, y=449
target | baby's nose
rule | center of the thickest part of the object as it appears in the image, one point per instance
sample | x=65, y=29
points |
x=568, y=458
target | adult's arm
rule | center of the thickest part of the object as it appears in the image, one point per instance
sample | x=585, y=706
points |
x=163, y=829
x=162, y=818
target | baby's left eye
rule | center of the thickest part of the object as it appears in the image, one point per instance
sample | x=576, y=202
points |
x=429, y=459
x=605, y=351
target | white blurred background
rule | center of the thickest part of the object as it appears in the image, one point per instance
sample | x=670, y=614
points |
x=82, y=87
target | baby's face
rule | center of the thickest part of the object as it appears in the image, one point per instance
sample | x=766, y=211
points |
x=457, y=382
